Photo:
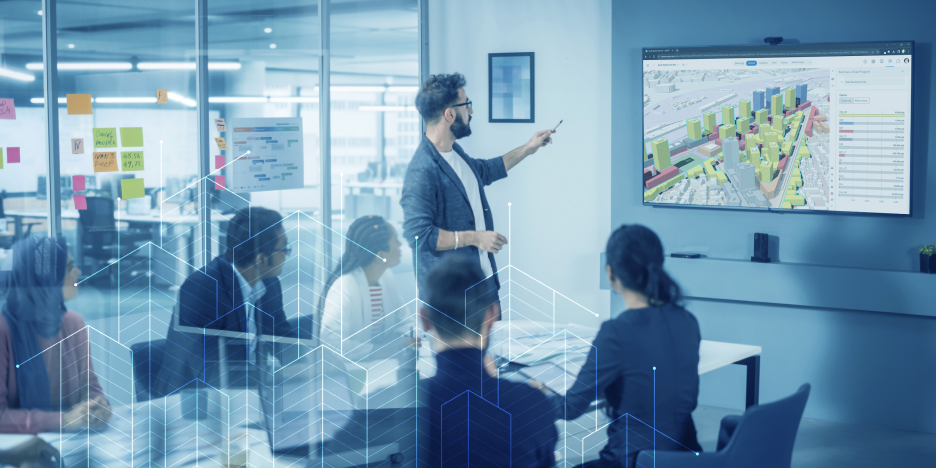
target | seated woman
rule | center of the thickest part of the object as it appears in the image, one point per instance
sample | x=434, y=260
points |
x=47, y=382
x=645, y=362
x=361, y=300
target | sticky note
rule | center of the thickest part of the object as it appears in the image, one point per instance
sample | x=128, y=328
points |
x=162, y=96
x=105, y=162
x=131, y=136
x=131, y=160
x=105, y=137
x=78, y=104
x=131, y=188
x=78, y=183
x=221, y=144
x=7, y=110
x=80, y=202
x=219, y=161
x=13, y=155
x=219, y=182
x=1, y=158
x=77, y=145
x=219, y=124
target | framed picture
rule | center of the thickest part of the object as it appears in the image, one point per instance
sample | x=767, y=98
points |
x=510, y=87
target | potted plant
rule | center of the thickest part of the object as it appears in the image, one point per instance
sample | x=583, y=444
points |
x=928, y=259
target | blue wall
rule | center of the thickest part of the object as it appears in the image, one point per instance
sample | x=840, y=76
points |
x=865, y=367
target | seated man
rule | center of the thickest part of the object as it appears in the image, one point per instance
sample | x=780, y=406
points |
x=476, y=419
x=237, y=292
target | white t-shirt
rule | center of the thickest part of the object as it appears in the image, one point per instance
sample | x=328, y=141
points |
x=470, y=182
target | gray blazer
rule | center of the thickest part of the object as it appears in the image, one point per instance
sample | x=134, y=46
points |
x=434, y=198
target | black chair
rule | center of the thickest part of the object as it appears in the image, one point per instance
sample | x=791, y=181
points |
x=98, y=233
x=147, y=359
x=6, y=242
x=763, y=437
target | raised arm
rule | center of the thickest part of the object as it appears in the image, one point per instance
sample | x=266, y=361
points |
x=539, y=139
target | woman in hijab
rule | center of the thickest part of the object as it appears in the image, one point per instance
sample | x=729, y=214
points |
x=47, y=382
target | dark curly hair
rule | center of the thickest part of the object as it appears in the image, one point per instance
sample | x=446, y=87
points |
x=437, y=93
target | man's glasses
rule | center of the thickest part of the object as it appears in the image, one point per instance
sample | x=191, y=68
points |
x=466, y=103
x=285, y=250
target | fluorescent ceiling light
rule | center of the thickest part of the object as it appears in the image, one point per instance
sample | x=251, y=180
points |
x=236, y=99
x=16, y=75
x=187, y=66
x=85, y=66
x=39, y=100
x=180, y=98
x=386, y=108
x=403, y=89
x=293, y=99
x=268, y=30
x=125, y=100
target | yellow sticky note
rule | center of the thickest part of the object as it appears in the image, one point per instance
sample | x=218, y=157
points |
x=78, y=104
x=105, y=162
x=132, y=160
x=132, y=188
x=221, y=144
x=105, y=137
x=131, y=136
x=162, y=96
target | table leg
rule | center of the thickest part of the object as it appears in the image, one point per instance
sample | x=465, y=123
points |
x=752, y=392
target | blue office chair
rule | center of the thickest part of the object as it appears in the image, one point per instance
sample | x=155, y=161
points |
x=762, y=437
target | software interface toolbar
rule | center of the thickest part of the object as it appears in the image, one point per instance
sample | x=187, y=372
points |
x=800, y=127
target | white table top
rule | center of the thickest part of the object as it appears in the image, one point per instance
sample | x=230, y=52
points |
x=715, y=354
x=153, y=217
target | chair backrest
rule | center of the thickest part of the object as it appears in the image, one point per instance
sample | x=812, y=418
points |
x=97, y=222
x=766, y=433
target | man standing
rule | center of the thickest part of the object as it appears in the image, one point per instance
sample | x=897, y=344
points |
x=443, y=194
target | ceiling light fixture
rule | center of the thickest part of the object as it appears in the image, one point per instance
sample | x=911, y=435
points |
x=272, y=46
x=84, y=66
x=187, y=66
x=386, y=108
x=180, y=98
x=71, y=46
x=268, y=30
x=16, y=75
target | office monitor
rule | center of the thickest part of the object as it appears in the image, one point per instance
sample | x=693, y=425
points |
x=798, y=128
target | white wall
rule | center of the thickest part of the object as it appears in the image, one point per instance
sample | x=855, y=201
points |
x=561, y=195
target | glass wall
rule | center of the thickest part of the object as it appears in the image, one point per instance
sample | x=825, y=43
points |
x=143, y=212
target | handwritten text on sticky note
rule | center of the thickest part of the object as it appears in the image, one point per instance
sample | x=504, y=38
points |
x=105, y=137
x=219, y=124
x=77, y=145
x=7, y=110
x=105, y=162
x=162, y=96
x=131, y=160
x=221, y=144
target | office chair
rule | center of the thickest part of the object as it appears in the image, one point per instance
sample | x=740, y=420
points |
x=763, y=437
x=6, y=242
x=97, y=228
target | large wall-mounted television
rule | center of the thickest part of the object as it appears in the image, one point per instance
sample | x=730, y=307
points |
x=799, y=127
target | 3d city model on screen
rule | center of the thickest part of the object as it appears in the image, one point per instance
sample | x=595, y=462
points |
x=822, y=129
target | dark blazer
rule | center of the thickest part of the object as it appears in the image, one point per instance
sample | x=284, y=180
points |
x=211, y=298
x=620, y=368
x=481, y=421
x=434, y=198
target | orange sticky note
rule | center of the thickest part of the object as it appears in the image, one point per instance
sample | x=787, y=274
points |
x=81, y=203
x=105, y=161
x=219, y=182
x=78, y=104
x=162, y=96
x=221, y=144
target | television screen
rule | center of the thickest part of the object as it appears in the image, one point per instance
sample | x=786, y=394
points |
x=822, y=127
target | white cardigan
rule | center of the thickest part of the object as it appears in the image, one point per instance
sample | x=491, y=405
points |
x=346, y=318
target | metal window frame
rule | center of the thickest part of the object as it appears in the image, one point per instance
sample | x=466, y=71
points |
x=50, y=77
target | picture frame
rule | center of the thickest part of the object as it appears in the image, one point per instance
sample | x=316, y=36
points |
x=511, y=87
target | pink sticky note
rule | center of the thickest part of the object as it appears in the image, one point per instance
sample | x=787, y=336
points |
x=219, y=182
x=77, y=183
x=80, y=202
x=219, y=161
x=13, y=155
x=7, y=110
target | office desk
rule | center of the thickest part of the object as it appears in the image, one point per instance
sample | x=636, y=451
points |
x=534, y=343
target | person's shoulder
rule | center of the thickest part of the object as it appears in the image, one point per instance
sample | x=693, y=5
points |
x=4, y=326
x=72, y=321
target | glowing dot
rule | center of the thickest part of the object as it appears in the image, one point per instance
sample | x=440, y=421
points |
x=76, y=285
x=248, y=151
x=385, y=260
x=654, y=368
x=17, y=366
x=508, y=203
x=160, y=142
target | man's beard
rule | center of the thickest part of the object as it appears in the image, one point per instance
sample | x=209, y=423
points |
x=459, y=128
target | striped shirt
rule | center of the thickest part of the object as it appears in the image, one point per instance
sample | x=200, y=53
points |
x=376, y=299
